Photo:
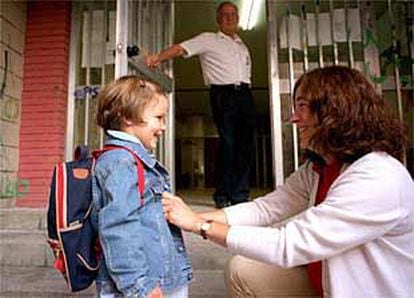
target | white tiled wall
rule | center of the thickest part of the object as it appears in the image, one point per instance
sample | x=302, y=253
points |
x=12, y=40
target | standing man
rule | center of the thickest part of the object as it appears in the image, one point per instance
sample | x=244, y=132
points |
x=226, y=66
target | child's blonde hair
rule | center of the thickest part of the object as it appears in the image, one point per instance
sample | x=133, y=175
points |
x=125, y=100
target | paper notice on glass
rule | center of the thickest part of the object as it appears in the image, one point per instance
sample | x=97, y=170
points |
x=110, y=44
x=85, y=39
x=98, y=26
x=325, y=33
x=323, y=25
x=93, y=39
x=339, y=25
x=354, y=24
x=98, y=39
x=290, y=25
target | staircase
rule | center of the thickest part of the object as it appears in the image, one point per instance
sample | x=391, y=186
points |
x=26, y=260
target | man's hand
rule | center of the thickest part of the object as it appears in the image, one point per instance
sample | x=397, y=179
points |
x=152, y=60
x=179, y=214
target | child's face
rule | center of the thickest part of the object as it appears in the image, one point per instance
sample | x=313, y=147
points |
x=153, y=124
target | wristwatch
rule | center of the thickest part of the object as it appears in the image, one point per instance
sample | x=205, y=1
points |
x=204, y=227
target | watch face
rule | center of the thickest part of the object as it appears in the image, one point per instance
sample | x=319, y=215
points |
x=205, y=226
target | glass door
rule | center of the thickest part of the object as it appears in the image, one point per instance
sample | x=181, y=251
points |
x=372, y=36
x=108, y=40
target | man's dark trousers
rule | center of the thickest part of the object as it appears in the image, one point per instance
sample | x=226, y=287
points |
x=235, y=118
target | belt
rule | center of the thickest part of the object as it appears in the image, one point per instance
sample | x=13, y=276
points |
x=240, y=86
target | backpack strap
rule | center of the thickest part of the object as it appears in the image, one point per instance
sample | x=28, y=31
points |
x=81, y=152
x=138, y=163
x=60, y=194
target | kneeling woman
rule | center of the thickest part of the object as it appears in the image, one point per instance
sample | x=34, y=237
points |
x=346, y=214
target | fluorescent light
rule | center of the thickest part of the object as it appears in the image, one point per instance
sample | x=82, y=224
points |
x=250, y=13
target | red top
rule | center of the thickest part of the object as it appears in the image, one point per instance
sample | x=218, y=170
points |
x=327, y=175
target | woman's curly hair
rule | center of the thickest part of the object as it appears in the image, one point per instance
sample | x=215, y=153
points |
x=352, y=119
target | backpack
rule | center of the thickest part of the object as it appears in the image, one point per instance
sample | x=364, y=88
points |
x=71, y=235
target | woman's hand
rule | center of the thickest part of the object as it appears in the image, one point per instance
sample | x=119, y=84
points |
x=179, y=214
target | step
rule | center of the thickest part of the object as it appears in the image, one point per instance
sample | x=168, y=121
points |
x=47, y=282
x=29, y=248
x=23, y=218
x=7, y=202
x=23, y=233
x=24, y=248
x=36, y=282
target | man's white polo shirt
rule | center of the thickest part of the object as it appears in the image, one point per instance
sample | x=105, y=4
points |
x=223, y=60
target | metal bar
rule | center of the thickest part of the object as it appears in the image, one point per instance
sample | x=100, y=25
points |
x=88, y=80
x=121, y=39
x=291, y=87
x=265, y=165
x=371, y=54
x=305, y=41
x=139, y=24
x=257, y=176
x=170, y=133
x=396, y=69
x=73, y=55
x=275, y=108
x=131, y=20
x=318, y=42
x=348, y=37
x=103, y=70
x=334, y=44
x=145, y=25
x=157, y=38
x=409, y=7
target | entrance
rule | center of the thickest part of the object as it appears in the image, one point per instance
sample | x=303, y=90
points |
x=291, y=37
x=108, y=39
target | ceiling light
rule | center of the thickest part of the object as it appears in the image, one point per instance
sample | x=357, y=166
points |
x=250, y=13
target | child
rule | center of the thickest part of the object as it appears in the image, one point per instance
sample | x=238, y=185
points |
x=143, y=256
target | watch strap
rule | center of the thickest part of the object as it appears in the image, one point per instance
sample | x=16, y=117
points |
x=203, y=231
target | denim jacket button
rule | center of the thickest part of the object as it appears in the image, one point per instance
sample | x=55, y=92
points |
x=180, y=248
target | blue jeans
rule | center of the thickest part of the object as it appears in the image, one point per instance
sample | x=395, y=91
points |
x=235, y=118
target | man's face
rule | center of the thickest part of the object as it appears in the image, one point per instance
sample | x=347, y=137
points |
x=228, y=19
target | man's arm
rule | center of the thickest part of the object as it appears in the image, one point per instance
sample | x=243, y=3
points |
x=170, y=53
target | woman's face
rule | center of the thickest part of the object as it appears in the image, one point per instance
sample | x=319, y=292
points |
x=303, y=118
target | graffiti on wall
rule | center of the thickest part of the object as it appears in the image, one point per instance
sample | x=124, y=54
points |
x=82, y=91
x=13, y=188
x=10, y=110
x=10, y=107
x=9, y=187
x=4, y=79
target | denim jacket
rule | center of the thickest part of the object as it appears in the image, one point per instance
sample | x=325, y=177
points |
x=140, y=248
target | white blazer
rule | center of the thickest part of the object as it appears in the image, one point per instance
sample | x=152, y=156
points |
x=363, y=231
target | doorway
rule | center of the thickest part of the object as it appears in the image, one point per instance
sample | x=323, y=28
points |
x=197, y=140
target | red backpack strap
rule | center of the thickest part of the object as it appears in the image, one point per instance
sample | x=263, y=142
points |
x=61, y=219
x=60, y=195
x=138, y=163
